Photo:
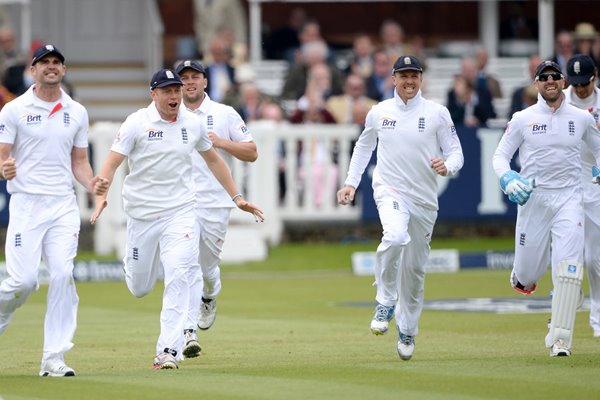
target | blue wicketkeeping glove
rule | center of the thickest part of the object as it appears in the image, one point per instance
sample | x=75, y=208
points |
x=517, y=188
x=596, y=175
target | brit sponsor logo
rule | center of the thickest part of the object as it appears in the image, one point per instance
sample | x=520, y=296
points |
x=244, y=129
x=538, y=129
x=154, y=135
x=32, y=119
x=388, y=123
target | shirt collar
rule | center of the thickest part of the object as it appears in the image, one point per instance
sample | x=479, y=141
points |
x=31, y=98
x=154, y=115
x=412, y=103
x=546, y=108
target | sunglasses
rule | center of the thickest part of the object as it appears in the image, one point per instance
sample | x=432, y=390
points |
x=556, y=76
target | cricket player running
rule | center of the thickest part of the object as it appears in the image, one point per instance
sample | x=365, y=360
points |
x=416, y=141
x=43, y=145
x=159, y=200
x=230, y=137
x=549, y=192
x=583, y=93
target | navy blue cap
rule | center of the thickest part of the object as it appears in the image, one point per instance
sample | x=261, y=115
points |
x=164, y=77
x=195, y=65
x=43, y=51
x=547, y=64
x=405, y=63
x=580, y=70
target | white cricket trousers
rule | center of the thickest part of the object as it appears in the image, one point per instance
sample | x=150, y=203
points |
x=43, y=226
x=401, y=256
x=173, y=242
x=206, y=280
x=549, y=229
x=591, y=256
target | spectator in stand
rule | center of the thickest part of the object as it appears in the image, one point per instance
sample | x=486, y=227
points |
x=391, y=35
x=517, y=25
x=284, y=41
x=348, y=107
x=251, y=101
x=219, y=73
x=481, y=57
x=584, y=36
x=564, y=48
x=464, y=106
x=311, y=110
x=272, y=112
x=10, y=54
x=211, y=16
x=362, y=56
x=380, y=85
x=521, y=97
x=313, y=53
x=482, y=97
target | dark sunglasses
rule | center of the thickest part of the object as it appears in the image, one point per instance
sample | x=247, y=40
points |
x=556, y=76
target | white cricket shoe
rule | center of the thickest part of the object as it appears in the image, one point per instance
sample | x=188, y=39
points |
x=559, y=349
x=56, y=368
x=165, y=360
x=406, y=346
x=381, y=320
x=192, y=347
x=596, y=333
x=208, y=313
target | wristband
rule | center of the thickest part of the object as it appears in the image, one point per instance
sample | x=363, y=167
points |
x=236, y=196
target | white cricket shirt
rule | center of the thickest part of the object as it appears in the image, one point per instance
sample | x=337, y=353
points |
x=409, y=136
x=224, y=121
x=591, y=191
x=160, y=161
x=549, y=143
x=43, y=136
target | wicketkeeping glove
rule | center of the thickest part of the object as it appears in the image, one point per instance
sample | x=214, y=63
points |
x=517, y=188
x=596, y=175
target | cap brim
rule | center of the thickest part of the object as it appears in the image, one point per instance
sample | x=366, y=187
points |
x=408, y=69
x=169, y=83
x=180, y=70
x=579, y=79
x=53, y=52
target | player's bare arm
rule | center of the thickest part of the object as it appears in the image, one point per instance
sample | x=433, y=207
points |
x=219, y=169
x=243, y=151
x=106, y=175
x=439, y=166
x=346, y=195
x=83, y=172
x=8, y=167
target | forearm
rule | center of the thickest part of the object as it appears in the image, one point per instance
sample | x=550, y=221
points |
x=219, y=168
x=82, y=171
x=244, y=151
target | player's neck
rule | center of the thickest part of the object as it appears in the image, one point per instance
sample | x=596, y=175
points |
x=194, y=105
x=48, y=93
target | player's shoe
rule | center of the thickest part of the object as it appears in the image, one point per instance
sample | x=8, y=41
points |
x=559, y=349
x=596, y=333
x=208, y=313
x=406, y=346
x=381, y=320
x=192, y=347
x=519, y=287
x=56, y=368
x=165, y=360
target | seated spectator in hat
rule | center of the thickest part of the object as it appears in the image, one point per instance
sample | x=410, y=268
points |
x=521, y=96
x=584, y=36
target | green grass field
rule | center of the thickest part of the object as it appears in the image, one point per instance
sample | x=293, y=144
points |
x=284, y=331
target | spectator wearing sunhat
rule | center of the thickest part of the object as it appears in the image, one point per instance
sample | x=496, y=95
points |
x=584, y=36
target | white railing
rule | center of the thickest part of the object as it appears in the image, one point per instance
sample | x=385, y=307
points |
x=312, y=177
x=154, y=36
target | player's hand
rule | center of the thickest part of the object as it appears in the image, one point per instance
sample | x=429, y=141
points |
x=596, y=175
x=101, y=204
x=9, y=168
x=99, y=185
x=215, y=139
x=242, y=204
x=517, y=188
x=346, y=195
x=439, y=166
